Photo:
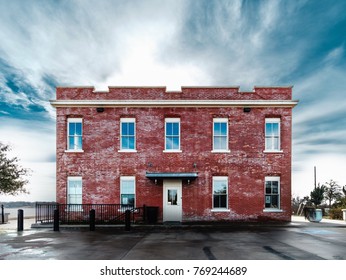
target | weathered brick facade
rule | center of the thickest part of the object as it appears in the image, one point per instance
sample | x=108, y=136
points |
x=101, y=163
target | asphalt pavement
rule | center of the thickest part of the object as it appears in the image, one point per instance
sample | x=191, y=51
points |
x=297, y=240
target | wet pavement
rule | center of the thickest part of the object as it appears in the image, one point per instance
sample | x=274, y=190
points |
x=298, y=240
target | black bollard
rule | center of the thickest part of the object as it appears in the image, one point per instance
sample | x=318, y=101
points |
x=92, y=219
x=56, y=220
x=127, y=220
x=2, y=214
x=20, y=220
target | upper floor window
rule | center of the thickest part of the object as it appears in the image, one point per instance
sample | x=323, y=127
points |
x=74, y=134
x=127, y=190
x=220, y=192
x=272, y=193
x=172, y=134
x=220, y=134
x=272, y=134
x=127, y=134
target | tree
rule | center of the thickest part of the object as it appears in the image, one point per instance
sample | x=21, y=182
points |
x=341, y=202
x=317, y=195
x=332, y=191
x=12, y=175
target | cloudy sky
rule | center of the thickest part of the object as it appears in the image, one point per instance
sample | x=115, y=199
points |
x=174, y=43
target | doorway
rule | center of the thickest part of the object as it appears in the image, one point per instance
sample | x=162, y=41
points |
x=172, y=201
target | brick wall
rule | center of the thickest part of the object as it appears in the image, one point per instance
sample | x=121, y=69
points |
x=101, y=164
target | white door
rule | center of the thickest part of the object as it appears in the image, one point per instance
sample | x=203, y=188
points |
x=172, y=201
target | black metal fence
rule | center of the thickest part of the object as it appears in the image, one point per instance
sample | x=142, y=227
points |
x=80, y=213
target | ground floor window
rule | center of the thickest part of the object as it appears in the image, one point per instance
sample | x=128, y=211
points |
x=272, y=193
x=127, y=190
x=74, y=193
x=220, y=192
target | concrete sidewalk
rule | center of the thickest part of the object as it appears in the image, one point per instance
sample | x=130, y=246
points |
x=297, y=240
x=29, y=223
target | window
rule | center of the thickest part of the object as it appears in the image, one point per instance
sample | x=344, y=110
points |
x=220, y=192
x=172, y=134
x=74, y=193
x=220, y=134
x=272, y=134
x=127, y=134
x=127, y=191
x=272, y=193
x=74, y=134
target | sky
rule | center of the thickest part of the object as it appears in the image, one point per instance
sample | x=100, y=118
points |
x=174, y=43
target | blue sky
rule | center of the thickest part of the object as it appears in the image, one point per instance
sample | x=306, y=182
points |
x=174, y=43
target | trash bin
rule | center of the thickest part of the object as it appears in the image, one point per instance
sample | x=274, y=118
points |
x=318, y=215
x=152, y=214
x=344, y=214
x=314, y=215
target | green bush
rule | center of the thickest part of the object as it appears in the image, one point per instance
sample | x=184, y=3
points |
x=335, y=214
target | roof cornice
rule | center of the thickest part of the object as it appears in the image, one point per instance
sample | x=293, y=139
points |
x=173, y=103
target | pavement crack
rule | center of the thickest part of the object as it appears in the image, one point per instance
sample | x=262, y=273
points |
x=208, y=253
x=275, y=252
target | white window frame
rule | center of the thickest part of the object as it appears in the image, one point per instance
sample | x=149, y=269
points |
x=128, y=179
x=74, y=207
x=272, y=209
x=128, y=120
x=172, y=120
x=220, y=179
x=226, y=150
x=270, y=149
x=74, y=120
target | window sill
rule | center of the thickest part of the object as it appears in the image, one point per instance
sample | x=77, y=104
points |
x=127, y=151
x=268, y=210
x=172, y=151
x=220, y=151
x=220, y=210
x=74, y=151
x=273, y=151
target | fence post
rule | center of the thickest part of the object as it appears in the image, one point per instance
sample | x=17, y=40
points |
x=92, y=219
x=127, y=220
x=2, y=214
x=56, y=220
x=20, y=220
x=144, y=213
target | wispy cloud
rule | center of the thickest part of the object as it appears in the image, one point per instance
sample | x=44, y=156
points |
x=174, y=43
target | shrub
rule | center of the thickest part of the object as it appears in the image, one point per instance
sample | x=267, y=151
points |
x=335, y=213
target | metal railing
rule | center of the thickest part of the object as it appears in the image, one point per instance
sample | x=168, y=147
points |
x=80, y=213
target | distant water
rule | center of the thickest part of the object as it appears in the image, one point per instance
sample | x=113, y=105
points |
x=29, y=212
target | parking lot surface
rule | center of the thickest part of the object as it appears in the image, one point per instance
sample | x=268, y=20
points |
x=298, y=240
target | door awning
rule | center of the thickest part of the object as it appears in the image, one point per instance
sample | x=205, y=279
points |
x=172, y=175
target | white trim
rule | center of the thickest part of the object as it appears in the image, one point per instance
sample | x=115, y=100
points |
x=273, y=151
x=74, y=178
x=219, y=209
x=175, y=103
x=273, y=178
x=127, y=151
x=269, y=210
x=74, y=151
x=276, y=121
x=128, y=120
x=69, y=121
x=74, y=120
x=221, y=120
x=128, y=179
x=173, y=120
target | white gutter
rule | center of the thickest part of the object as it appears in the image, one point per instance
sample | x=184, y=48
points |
x=173, y=103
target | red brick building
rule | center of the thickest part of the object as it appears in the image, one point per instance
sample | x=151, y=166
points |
x=200, y=154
